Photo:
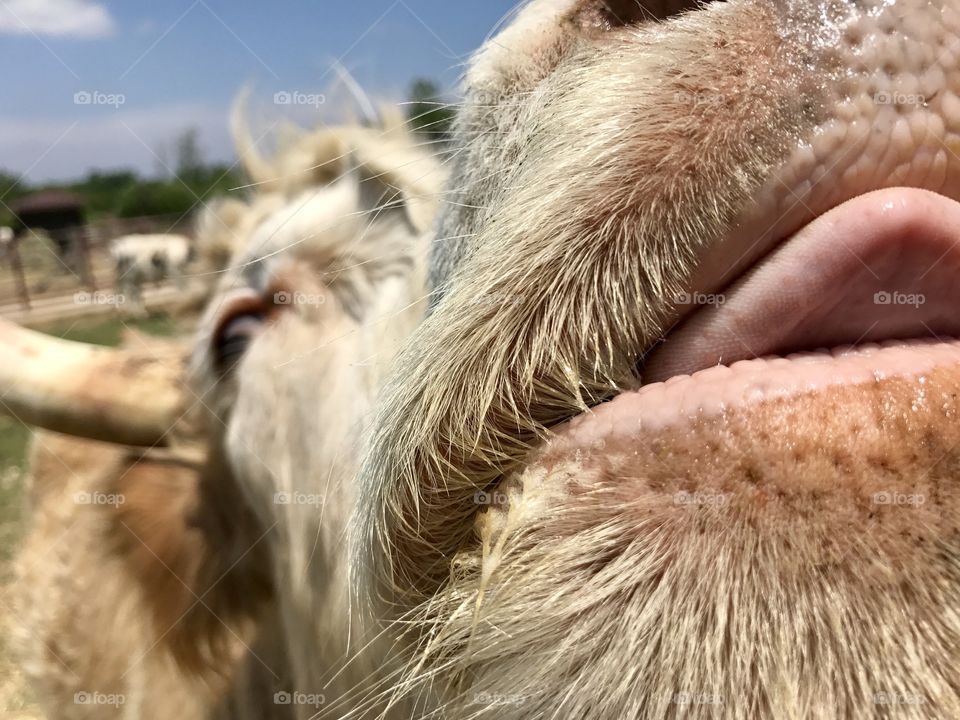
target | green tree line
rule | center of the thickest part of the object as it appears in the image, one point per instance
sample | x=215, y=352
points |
x=126, y=193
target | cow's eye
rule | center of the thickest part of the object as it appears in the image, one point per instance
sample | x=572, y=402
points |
x=234, y=335
x=609, y=14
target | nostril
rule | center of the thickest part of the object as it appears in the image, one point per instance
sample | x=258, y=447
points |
x=610, y=14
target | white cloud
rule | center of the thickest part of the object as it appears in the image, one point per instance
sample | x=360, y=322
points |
x=64, y=18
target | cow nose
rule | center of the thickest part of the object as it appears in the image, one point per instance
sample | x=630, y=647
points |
x=872, y=90
x=891, y=116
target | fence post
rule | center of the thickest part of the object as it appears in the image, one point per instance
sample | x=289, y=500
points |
x=86, y=266
x=16, y=267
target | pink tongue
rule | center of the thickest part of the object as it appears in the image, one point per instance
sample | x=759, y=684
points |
x=883, y=265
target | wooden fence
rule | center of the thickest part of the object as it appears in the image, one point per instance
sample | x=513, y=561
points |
x=41, y=264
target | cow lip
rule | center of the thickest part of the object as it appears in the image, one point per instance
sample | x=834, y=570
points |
x=881, y=266
x=718, y=393
x=878, y=287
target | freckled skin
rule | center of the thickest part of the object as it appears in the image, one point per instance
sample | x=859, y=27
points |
x=831, y=455
x=751, y=535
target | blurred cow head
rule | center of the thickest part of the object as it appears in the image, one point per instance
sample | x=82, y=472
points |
x=289, y=358
x=231, y=544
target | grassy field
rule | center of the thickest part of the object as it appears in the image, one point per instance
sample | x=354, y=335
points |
x=15, y=702
x=110, y=332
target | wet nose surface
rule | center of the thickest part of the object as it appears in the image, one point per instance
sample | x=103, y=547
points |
x=880, y=89
x=890, y=111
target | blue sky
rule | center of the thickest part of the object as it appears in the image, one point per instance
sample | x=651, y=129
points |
x=106, y=84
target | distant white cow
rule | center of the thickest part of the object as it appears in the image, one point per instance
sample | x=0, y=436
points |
x=6, y=240
x=139, y=259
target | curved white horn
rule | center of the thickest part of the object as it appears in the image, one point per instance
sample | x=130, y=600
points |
x=257, y=167
x=371, y=117
x=88, y=391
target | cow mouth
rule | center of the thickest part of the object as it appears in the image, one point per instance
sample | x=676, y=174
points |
x=866, y=294
x=879, y=267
